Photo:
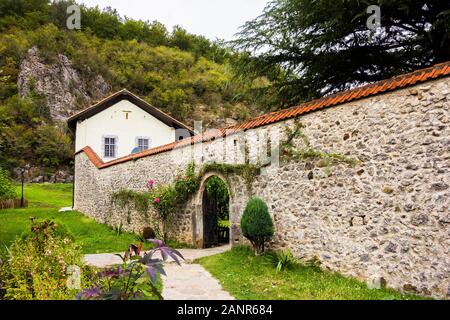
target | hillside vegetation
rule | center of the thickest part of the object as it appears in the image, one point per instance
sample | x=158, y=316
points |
x=185, y=75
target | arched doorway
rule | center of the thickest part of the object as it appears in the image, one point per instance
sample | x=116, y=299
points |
x=215, y=212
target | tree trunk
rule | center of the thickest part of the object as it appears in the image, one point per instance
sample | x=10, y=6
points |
x=258, y=246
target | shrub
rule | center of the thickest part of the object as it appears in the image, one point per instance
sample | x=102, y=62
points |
x=7, y=190
x=164, y=200
x=39, y=262
x=3, y=261
x=42, y=230
x=256, y=224
x=188, y=184
x=282, y=260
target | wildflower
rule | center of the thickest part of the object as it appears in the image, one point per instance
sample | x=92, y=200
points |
x=157, y=200
x=150, y=183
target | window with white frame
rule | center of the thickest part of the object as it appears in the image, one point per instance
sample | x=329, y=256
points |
x=110, y=146
x=143, y=143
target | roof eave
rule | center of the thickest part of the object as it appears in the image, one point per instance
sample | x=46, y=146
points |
x=122, y=95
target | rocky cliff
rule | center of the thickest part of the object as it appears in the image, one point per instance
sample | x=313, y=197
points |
x=62, y=85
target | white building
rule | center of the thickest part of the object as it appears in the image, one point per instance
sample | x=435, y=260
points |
x=122, y=124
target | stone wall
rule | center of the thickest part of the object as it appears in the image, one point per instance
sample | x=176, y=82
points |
x=388, y=217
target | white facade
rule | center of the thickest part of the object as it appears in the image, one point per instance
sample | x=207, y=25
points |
x=125, y=122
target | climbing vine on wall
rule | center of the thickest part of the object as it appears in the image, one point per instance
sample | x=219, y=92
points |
x=323, y=159
x=187, y=184
x=247, y=171
x=128, y=199
x=166, y=198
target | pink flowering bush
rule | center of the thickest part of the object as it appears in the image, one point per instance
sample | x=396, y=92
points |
x=150, y=183
x=188, y=184
x=164, y=199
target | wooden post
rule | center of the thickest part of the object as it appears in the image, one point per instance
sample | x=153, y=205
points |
x=22, y=202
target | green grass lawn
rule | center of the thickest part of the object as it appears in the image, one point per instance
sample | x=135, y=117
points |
x=44, y=202
x=57, y=195
x=247, y=277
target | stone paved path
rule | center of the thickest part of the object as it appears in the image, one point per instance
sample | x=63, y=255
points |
x=103, y=260
x=188, y=282
x=191, y=282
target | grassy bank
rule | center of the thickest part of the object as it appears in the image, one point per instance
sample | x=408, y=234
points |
x=248, y=277
x=44, y=202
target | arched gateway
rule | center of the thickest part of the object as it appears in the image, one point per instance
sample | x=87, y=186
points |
x=211, y=221
x=375, y=126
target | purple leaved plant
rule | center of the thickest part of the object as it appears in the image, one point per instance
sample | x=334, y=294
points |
x=155, y=266
x=127, y=282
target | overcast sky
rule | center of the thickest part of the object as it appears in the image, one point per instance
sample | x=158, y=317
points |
x=211, y=18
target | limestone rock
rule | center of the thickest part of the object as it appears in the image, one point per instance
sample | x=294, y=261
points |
x=65, y=90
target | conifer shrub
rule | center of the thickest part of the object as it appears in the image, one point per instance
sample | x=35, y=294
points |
x=256, y=224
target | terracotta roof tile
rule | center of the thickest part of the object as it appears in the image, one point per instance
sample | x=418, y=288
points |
x=439, y=70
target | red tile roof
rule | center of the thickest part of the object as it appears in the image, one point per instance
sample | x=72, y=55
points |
x=402, y=81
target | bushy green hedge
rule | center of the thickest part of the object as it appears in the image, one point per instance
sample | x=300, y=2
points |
x=40, y=231
x=7, y=190
x=256, y=224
